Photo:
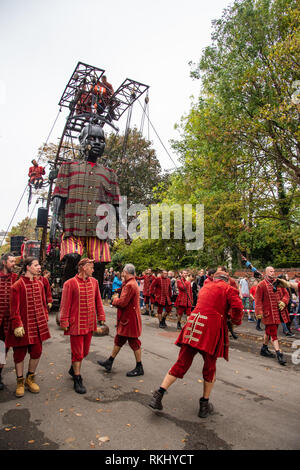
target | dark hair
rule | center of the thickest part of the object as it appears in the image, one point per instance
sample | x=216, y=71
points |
x=5, y=257
x=27, y=262
x=211, y=271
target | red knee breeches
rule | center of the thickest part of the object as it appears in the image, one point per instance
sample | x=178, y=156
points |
x=134, y=343
x=80, y=346
x=185, y=359
x=271, y=330
x=35, y=351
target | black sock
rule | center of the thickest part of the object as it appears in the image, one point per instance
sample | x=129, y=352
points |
x=29, y=373
x=204, y=399
x=19, y=376
x=162, y=390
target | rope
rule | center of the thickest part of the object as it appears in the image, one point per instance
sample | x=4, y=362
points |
x=159, y=137
x=27, y=183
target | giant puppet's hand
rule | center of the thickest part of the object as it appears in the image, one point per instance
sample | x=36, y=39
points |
x=57, y=207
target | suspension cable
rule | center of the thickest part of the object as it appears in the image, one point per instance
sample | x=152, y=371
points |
x=159, y=138
x=20, y=200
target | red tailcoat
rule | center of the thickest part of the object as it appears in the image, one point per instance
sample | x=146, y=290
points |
x=161, y=289
x=129, y=321
x=81, y=306
x=206, y=327
x=185, y=296
x=47, y=288
x=148, y=279
x=266, y=303
x=28, y=308
x=6, y=281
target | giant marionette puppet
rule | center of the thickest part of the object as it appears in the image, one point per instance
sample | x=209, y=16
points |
x=81, y=187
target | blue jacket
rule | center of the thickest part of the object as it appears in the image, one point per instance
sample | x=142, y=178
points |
x=116, y=283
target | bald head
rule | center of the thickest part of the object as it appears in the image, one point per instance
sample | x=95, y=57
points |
x=270, y=272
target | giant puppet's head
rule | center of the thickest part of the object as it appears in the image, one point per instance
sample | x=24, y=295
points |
x=92, y=142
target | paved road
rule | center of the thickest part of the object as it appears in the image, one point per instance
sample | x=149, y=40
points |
x=256, y=400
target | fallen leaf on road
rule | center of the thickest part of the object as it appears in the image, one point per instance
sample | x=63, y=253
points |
x=61, y=410
x=97, y=399
x=141, y=381
x=104, y=439
x=137, y=390
x=78, y=414
x=128, y=425
x=6, y=429
x=99, y=410
x=70, y=439
x=92, y=444
x=31, y=442
x=46, y=444
x=18, y=404
x=200, y=381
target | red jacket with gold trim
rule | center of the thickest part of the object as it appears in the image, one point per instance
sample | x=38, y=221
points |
x=28, y=308
x=6, y=281
x=266, y=303
x=129, y=321
x=161, y=289
x=185, y=296
x=81, y=306
x=206, y=328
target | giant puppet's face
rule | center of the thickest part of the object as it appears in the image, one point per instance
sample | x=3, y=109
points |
x=92, y=142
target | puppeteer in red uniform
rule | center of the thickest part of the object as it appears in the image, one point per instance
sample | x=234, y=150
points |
x=205, y=332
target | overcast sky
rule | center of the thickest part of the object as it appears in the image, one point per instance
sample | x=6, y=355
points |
x=41, y=43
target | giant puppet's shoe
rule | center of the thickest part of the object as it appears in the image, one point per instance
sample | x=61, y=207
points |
x=155, y=401
x=135, y=372
x=280, y=358
x=30, y=383
x=265, y=351
x=205, y=409
x=20, y=390
x=78, y=385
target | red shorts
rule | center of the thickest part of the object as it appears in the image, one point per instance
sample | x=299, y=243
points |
x=35, y=351
x=95, y=248
x=271, y=330
x=134, y=343
x=161, y=307
x=185, y=359
x=80, y=346
x=181, y=310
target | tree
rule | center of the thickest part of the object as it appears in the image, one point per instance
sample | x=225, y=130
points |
x=136, y=165
x=240, y=142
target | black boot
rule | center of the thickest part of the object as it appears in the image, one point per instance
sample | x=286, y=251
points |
x=206, y=408
x=71, y=371
x=137, y=371
x=161, y=324
x=156, y=399
x=280, y=359
x=146, y=312
x=1, y=383
x=106, y=364
x=164, y=322
x=178, y=325
x=265, y=351
x=78, y=386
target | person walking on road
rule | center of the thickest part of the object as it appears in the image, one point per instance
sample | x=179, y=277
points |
x=205, y=332
x=271, y=306
x=81, y=307
x=28, y=324
x=129, y=323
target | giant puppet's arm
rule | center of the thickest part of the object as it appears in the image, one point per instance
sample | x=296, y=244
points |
x=58, y=205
